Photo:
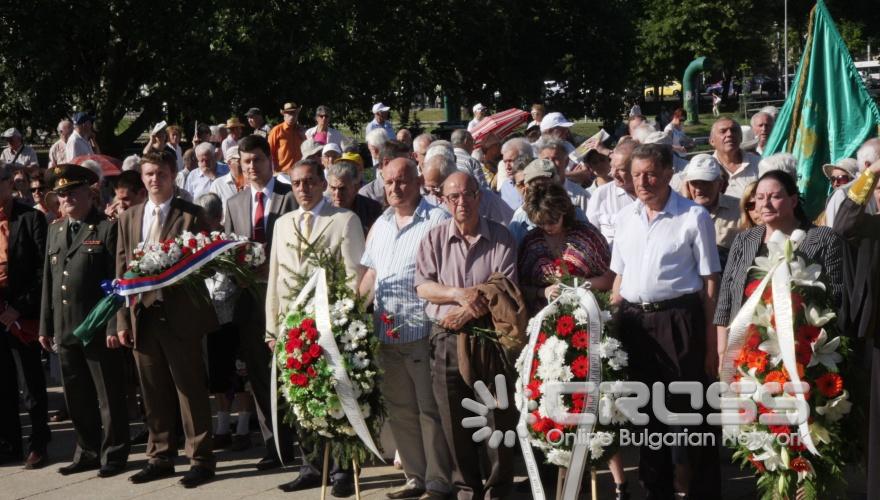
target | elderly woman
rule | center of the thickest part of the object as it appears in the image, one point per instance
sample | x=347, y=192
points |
x=776, y=199
x=559, y=237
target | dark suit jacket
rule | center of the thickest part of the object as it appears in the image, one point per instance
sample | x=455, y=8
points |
x=861, y=307
x=239, y=218
x=27, y=250
x=186, y=312
x=73, y=274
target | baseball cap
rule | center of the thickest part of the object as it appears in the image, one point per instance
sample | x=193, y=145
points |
x=479, y=107
x=331, y=147
x=553, y=120
x=310, y=147
x=82, y=117
x=850, y=165
x=379, y=107
x=538, y=169
x=253, y=112
x=11, y=132
x=702, y=167
x=352, y=157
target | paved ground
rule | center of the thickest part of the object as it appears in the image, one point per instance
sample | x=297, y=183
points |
x=237, y=479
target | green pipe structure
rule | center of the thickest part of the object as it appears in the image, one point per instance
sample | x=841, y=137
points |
x=689, y=86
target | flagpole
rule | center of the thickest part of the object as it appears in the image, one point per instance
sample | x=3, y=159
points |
x=785, y=48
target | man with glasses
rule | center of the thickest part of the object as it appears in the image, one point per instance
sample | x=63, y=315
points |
x=81, y=253
x=323, y=133
x=453, y=260
x=511, y=151
x=315, y=222
x=440, y=165
x=343, y=179
x=41, y=196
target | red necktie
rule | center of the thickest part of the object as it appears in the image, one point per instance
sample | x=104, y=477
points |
x=259, y=214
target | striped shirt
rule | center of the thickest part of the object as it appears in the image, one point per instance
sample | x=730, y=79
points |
x=391, y=252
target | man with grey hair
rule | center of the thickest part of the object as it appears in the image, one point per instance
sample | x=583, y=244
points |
x=391, y=149
x=762, y=126
x=199, y=180
x=555, y=151
x=439, y=166
x=511, y=151
x=58, y=153
x=463, y=145
x=420, y=147
x=16, y=151
x=868, y=153
x=405, y=136
x=375, y=142
x=323, y=133
x=342, y=190
x=741, y=166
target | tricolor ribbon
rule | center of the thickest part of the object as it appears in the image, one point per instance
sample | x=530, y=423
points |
x=781, y=251
x=579, y=453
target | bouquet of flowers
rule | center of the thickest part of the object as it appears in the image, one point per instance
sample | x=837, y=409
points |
x=307, y=379
x=778, y=453
x=561, y=353
x=184, y=260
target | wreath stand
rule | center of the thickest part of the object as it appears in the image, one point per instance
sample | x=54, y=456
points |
x=355, y=468
x=560, y=483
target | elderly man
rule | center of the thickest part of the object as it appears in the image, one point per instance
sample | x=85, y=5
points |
x=405, y=136
x=555, y=151
x=342, y=182
x=252, y=212
x=79, y=142
x=236, y=131
x=741, y=166
x=380, y=121
x=867, y=154
x=463, y=145
x=285, y=139
x=375, y=189
x=511, y=151
x=556, y=126
x=16, y=152
x=93, y=374
x=376, y=140
x=762, y=126
x=226, y=186
x=58, y=151
x=22, y=250
x=440, y=165
x=420, y=147
x=323, y=133
x=330, y=153
x=490, y=157
x=452, y=261
x=198, y=182
x=315, y=218
x=703, y=184
x=479, y=113
x=666, y=264
x=257, y=122
x=404, y=354
x=610, y=198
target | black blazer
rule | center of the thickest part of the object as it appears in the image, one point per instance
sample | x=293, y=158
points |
x=27, y=249
x=859, y=312
x=821, y=245
x=239, y=219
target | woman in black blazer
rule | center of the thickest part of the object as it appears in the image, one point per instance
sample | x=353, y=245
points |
x=776, y=199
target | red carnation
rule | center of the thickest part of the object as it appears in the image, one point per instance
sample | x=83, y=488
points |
x=306, y=358
x=315, y=350
x=581, y=366
x=193, y=243
x=565, y=325
x=534, y=389
x=290, y=362
x=541, y=424
x=580, y=340
x=808, y=333
x=307, y=324
x=830, y=384
x=289, y=347
x=294, y=332
x=300, y=380
x=386, y=319
x=311, y=372
x=293, y=363
x=751, y=287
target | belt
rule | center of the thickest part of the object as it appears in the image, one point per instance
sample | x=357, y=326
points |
x=663, y=305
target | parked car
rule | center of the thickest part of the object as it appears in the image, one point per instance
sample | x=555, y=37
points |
x=671, y=89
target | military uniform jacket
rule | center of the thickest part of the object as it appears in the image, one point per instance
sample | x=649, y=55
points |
x=73, y=274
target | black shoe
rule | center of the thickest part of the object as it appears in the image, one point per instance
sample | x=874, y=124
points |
x=269, y=462
x=81, y=465
x=222, y=441
x=405, y=491
x=140, y=438
x=36, y=459
x=197, y=475
x=152, y=472
x=342, y=489
x=111, y=469
x=302, y=482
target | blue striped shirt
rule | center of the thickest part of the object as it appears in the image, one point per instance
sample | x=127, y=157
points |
x=391, y=252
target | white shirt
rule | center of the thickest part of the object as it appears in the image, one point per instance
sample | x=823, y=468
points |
x=607, y=201
x=473, y=124
x=579, y=196
x=225, y=188
x=333, y=136
x=667, y=257
x=198, y=183
x=314, y=211
x=745, y=174
x=76, y=146
x=228, y=143
x=267, y=202
x=164, y=208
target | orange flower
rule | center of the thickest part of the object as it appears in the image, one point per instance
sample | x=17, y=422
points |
x=757, y=360
x=776, y=376
x=830, y=385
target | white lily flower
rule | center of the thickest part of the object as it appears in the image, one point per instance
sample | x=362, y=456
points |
x=804, y=275
x=818, y=317
x=751, y=376
x=762, y=315
x=836, y=408
x=825, y=352
x=771, y=347
x=771, y=458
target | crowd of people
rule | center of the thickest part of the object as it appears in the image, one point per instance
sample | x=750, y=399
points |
x=432, y=232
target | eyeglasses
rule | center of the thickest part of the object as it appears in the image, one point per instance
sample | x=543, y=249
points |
x=750, y=206
x=38, y=188
x=842, y=179
x=457, y=197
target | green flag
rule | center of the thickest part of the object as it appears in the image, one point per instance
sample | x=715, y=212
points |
x=828, y=113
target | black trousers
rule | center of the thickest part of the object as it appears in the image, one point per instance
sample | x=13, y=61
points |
x=36, y=399
x=668, y=346
x=94, y=389
x=471, y=461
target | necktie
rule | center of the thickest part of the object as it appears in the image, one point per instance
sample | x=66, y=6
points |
x=74, y=230
x=306, y=226
x=154, y=234
x=259, y=215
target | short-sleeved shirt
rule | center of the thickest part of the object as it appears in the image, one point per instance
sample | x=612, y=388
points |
x=391, y=252
x=24, y=157
x=725, y=216
x=284, y=145
x=604, y=206
x=386, y=126
x=745, y=174
x=57, y=153
x=445, y=257
x=76, y=146
x=665, y=258
x=198, y=183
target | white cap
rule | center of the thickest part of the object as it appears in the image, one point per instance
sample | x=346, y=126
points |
x=379, y=107
x=310, y=147
x=332, y=146
x=664, y=138
x=231, y=153
x=11, y=132
x=702, y=167
x=479, y=107
x=553, y=120
x=848, y=165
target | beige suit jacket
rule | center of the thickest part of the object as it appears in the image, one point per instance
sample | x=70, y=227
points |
x=337, y=226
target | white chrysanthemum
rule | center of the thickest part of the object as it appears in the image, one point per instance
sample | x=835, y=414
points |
x=562, y=458
x=620, y=360
x=608, y=347
x=581, y=316
x=360, y=360
x=552, y=352
x=598, y=441
x=358, y=329
x=546, y=406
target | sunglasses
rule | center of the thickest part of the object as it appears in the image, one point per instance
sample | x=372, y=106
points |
x=41, y=189
x=840, y=178
x=750, y=206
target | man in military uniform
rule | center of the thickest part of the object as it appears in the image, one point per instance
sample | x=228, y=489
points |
x=81, y=252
